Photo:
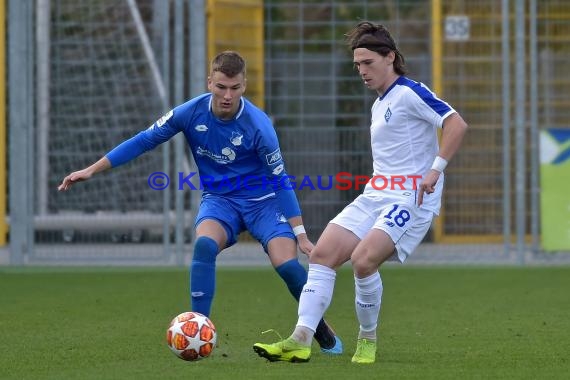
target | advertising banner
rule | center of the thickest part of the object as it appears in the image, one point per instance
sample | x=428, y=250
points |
x=555, y=189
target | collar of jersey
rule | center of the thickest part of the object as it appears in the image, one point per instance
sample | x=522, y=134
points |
x=400, y=79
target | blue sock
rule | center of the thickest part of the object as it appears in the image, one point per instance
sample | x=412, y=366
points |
x=294, y=275
x=203, y=275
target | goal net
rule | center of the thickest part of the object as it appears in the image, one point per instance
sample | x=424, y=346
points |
x=101, y=92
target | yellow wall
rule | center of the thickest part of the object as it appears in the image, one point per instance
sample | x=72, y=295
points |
x=238, y=25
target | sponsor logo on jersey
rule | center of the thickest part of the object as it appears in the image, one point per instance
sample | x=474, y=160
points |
x=229, y=153
x=227, y=156
x=236, y=138
x=388, y=114
x=273, y=157
x=201, y=128
x=160, y=122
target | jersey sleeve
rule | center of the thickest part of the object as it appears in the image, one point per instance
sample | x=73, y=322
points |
x=270, y=155
x=160, y=131
x=427, y=106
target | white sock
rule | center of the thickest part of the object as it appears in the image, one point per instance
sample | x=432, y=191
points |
x=303, y=335
x=367, y=300
x=314, y=301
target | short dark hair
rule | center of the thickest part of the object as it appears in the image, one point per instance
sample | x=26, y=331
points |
x=229, y=62
x=378, y=39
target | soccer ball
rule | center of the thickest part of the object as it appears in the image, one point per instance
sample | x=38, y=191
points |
x=191, y=336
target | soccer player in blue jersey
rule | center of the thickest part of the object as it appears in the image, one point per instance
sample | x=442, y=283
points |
x=379, y=225
x=245, y=183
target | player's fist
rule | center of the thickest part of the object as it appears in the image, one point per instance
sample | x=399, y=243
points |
x=427, y=186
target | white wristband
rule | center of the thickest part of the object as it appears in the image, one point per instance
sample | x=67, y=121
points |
x=298, y=230
x=439, y=164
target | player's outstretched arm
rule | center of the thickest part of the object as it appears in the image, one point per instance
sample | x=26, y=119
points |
x=84, y=174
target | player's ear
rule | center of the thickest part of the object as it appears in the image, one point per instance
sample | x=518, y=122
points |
x=209, y=83
x=391, y=57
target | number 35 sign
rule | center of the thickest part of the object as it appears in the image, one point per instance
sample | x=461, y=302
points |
x=457, y=28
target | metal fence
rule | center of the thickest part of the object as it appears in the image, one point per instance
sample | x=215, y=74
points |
x=94, y=72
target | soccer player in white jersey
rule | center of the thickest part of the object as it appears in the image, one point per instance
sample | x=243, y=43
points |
x=385, y=222
x=244, y=179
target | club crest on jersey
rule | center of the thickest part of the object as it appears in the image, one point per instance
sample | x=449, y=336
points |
x=201, y=128
x=236, y=138
x=273, y=157
x=388, y=114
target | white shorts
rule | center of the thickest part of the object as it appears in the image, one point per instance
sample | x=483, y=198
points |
x=397, y=215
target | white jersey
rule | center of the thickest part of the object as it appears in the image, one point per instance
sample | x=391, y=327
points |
x=404, y=140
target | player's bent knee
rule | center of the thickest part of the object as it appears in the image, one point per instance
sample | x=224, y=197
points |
x=205, y=250
x=331, y=259
x=363, y=266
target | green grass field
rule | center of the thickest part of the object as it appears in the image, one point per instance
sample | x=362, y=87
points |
x=436, y=323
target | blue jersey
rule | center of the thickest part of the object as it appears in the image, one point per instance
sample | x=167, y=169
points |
x=238, y=158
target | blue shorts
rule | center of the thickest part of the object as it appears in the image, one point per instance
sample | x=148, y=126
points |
x=262, y=218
